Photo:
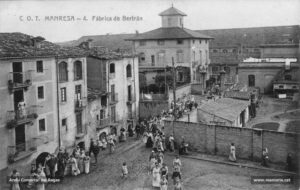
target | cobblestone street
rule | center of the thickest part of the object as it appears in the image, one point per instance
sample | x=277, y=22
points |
x=196, y=174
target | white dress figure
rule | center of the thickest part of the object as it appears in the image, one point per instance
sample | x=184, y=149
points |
x=156, y=176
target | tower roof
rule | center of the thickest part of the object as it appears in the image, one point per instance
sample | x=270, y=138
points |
x=171, y=12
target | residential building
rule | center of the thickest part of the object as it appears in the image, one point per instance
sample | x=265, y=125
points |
x=113, y=77
x=173, y=42
x=224, y=111
x=29, y=112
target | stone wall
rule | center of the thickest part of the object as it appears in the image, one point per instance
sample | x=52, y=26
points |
x=249, y=143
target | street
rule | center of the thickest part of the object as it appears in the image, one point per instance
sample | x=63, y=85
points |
x=196, y=174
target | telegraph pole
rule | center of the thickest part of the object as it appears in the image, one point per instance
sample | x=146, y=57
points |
x=174, y=94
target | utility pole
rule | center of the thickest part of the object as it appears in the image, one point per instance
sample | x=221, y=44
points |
x=174, y=93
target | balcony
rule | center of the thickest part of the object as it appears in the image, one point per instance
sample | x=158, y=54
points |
x=102, y=123
x=80, y=104
x=22, y=150
x=17, y=80
x=15, y=118
x=113, y=98
x=131, y=99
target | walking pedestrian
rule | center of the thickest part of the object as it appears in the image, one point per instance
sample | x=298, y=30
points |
x=176, y=176
x=156, y=176
x=265, y=157
x=15, y=177
x=289, y=162
x=232, y=153
x=163, y=183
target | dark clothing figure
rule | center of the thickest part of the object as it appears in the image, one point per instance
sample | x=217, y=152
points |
x=130, y=131
x=265, y=157
x=137, y=131
x=176, y=176
x=149, y=143
x=51, y=163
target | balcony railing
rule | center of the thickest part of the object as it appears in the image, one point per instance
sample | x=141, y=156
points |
x=131, y=99
x=18, y=80
x=80, y=104
x=21, y=150
x=21, y=116
x=113, y=98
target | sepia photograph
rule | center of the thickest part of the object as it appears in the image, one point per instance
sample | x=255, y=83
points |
x=149, y=95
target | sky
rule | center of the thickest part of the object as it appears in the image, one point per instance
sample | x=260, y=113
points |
x=30, y=17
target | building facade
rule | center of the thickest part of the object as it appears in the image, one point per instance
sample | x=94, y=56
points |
x=114, y=84
x=30, y=94
x=172, y=42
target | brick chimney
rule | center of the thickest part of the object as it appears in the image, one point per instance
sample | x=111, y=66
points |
x=36, y=41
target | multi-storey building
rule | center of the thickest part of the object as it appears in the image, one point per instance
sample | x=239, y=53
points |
x=114, y=91
x=29, y=90
x=188, y=49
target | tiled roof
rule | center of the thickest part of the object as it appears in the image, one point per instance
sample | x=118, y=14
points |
x=105, y=53
x=18, y=45
x=253, y=37
x=169, y=34
x=226, y=108
x=172, y=11
x=237, y=95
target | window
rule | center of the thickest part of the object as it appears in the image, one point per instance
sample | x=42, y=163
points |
x=181, y=24
x=111, y=68
x=103, y=101
x=287, y=77
x=180, y=76
x=215, y=69
x=251, y=80
x=225, y=51
x=142, y=43
x=102, y=114
x=280, y=86
x=78, y=92
x=215, y=51
x=193, y=41
x=294, y=87
x=160, y=42
x=179, y=56
x=63, y=72
x=200, y=41
x=194, y=55
x=128, y=71
x=161, y=57
x=227, y=70
x=234, y=51
x=63, y=94
x=179, y=42
x=113, y=114
x=152, y=60
x=169, y=21
x=79, y=123
x=39, y=67
x=40, y=90
x=142, y=57
x=77, y=70
x=64, y=122
x=206, y=56
x=200, y=53
x=42, y=125
x=206, y=41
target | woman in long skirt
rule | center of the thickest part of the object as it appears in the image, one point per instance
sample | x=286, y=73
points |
x=75, y=171
x=80, y=161
x=15, y=176
x=86, y=161
x=41, y=177
x=163, y=183
x=156, y=176
x=232, y=153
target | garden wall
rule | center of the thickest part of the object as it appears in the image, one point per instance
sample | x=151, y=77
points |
x=249, y=142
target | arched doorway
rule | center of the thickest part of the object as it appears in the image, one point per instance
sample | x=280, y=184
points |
x=41, y=158
x=113, y=130
x=81, y=145
x=102, y=136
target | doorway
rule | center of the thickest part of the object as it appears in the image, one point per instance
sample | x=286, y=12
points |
x=20, y=138
x=18, y=97
x=17, y=72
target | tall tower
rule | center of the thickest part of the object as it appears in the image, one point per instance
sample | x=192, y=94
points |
x=172, y=17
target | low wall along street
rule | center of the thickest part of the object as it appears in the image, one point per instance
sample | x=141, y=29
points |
x=249, y=142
